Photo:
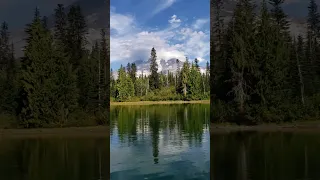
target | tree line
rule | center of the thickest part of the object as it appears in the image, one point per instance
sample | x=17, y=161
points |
x=260, y=71
x=57, y=81
x=186, y=83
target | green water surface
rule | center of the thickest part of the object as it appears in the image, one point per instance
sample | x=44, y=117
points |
x=160, y=142
x=265, y=156
x=54, y=158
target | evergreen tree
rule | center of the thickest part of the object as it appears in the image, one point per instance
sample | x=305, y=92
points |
x=45, y=23
x=76, y=41
x=154, y=77
x=76, y=35
x=65, y=79
x=112, y=84
x=124, y=87
x=38, y=75
x=90, y=79
x=312, y=47
x=55, y=73
x=4, y=46
x=7, y=72
x=185, y=77
x=105, y=62
x=60, y=32
x=195, y=80
x=279, y=16
x=261, y=69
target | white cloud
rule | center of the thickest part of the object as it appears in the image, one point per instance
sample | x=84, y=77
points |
x=121, y=23
x=200, y=23
x=174, y=19
x=133, y=43
x=163, y=5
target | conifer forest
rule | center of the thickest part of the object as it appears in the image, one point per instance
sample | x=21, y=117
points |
x=262, y=72
x=186, y=83
x=58, y=81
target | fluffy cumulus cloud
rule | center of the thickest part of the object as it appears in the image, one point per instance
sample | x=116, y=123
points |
x=199, y=23
x=131, y=41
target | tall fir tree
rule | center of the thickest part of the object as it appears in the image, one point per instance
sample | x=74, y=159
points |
x=60, y=26
x=38, y=75
x=154, y=76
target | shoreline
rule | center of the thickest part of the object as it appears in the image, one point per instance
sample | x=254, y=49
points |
x=313, y=126
x=158, y=102
x=92, y=131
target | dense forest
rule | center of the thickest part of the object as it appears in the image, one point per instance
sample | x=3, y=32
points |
x=187, y=83
x=57, y=81
x=261, y=72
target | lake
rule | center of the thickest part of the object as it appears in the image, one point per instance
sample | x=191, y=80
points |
x=265, y=156
x=160, y=142
x=54, y=158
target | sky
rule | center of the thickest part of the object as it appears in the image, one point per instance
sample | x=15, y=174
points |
x=175, y=28
x=20, y=12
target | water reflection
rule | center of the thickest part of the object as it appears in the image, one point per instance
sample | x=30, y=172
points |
x=283, y=156
x=160, y=141
x=54, y=158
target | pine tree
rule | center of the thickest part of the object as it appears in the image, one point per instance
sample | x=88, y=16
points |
x=124, y=86
x=184, y=76
x=105, y=62
x=243, y=62
x=45, y=23
x=7, y=72
x=76, y=42
x=154, y=76
x=90, y=79
x=60, y=32
x=112, y=84
x=38, y=74
x=195, y=80
x=280, y=18
x=4, y=46
x=65, y=77
x=264, y=51
x=76, y=35
x=66, y=92
x=312, y=47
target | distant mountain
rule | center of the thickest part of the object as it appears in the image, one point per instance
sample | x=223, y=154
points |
x=164, y=66
x=96, y=15
x=296, y=10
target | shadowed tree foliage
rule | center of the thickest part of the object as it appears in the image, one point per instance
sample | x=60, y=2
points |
x=58, y=81
x=260, y=72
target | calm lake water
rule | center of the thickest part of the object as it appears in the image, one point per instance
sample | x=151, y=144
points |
x=160, y=142
x=265, y=156
x=54, y=159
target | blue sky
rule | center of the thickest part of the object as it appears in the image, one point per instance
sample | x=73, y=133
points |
x=176, y=28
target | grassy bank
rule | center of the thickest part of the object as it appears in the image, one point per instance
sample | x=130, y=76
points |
x=159, y=102
x=310, y=126
x=93, y=131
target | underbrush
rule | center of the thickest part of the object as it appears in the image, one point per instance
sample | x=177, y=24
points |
x=164, y=94
x=78, y=118
x=284, y=112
